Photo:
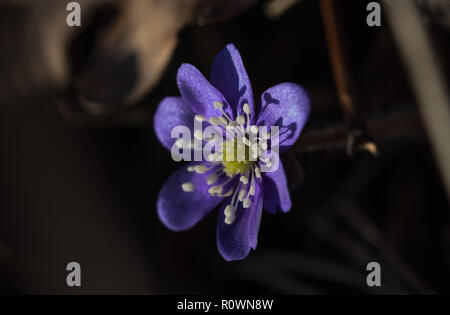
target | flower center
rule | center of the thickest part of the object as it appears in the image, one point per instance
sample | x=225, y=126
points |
x=237, y=173
x=234, y=163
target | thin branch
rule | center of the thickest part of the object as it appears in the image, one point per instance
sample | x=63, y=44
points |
x=338, y=58
x=357, y=138
x=396, y=125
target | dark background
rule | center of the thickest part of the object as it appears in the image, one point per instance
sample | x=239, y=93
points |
x=81, y=166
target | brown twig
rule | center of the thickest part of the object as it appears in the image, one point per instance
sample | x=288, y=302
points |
x=338, y=58
x=357, y=138
x=395, y=125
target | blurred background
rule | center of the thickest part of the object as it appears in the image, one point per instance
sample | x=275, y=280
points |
x=81, y=166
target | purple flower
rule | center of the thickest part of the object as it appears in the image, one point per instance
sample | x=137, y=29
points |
x=240, y=188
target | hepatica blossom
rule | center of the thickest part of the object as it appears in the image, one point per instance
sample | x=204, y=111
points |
x=242, y=174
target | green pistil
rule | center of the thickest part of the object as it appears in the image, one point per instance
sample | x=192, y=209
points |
x=233, y=166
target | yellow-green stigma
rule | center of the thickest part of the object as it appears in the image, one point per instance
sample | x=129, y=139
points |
x=233, y=162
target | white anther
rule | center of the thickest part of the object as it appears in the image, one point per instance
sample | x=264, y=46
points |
x=229, y=210
x=191, y=168
x=230, y=218
x=200, y=118
x=215, y=190
x=218, y=105
x=200, y=169
x=223, y=121
x=246, y=108
x=254, y=129
x=188, y=187
x=241, y=195
x=244, y=180
x=240, y=120
x=214, y=121
x=257, y=172
x=246, y=203
x=212, y=179
x=264, y=145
